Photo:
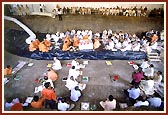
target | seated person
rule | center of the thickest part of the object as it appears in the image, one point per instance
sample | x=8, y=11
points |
x=158, y=77
x=47, y=42
x=144, y=64
x=110, y=45
x=65, y=46
x=133, y=93
x=155, y=102
x=32, y=46
x=73, y=72
x=64, y=106
x=147, y=86
x=128, y=47
x=118, y=45
x=86, y=37
x=136, y=46
x=75, y=41
x=154, y=38
x=96, y=44
x=15, y=105
x=36, y=43
x=109, y=104
x=51, y=74
x=8, y=70
x=57, y=64
x=142, y=102
x=43, y=47
x=75, y=94
x=71, y=83
x=46, y=79
x=75, y=63
x=149, y=72
x=37, y=102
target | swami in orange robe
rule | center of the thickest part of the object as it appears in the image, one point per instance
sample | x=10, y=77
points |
x=51, y=74
x=8, y=70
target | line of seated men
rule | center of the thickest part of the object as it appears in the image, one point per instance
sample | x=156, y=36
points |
x=107, y=40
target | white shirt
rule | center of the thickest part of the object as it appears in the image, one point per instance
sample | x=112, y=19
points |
x=141, y=103
x=157, y=79
x=144, y=65
x=149, y=71
x=155, y=101
x=75, y=94
x=73, y=72
x=49, y=80
x=154, y=46
x=63, y=106
x=57, y=65
x=75, y=63
x=134, y=93
x=70, y=84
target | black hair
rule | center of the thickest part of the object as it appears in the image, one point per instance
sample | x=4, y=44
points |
x=45, y=78
x=8, y=66
x=36, y=98
x=73, y=67
x=160, y=72
x=47, y=84
x=63, y=100
x=146, y=59
x=76, y=87
x=151, y=65
x=110, y=97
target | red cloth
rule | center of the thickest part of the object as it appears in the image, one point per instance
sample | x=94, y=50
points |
x=115, y=77
x=16, y=107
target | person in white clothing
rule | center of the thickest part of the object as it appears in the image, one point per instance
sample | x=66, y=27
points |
x=46, y=79
x=64, y=106
x=158, y=77
x=75, y=94
x=73, y=72
x=71, y=83
x=149, y=72
x=155, y=101
x=75, y=63
x=143, y=102
x=144, y=64
x=57, y=64
x=147, y=86
x=109, y=104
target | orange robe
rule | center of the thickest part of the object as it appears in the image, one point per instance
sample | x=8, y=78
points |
x=16, y=107
x=86, y=37
x=47, y=43
x=52, y=75
x=48, y=94
x=154, y=38
x=8, y=71
x=32, y=47
x=75, y=41
x=36, y=43
x=43, y=47
x=96, y=44
x=38, y=104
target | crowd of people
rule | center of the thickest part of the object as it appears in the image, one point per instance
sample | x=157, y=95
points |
x=73, y=40
x=19, y=9
x=142, y=91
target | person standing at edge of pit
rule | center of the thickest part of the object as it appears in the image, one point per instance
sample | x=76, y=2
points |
x=60, y=14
